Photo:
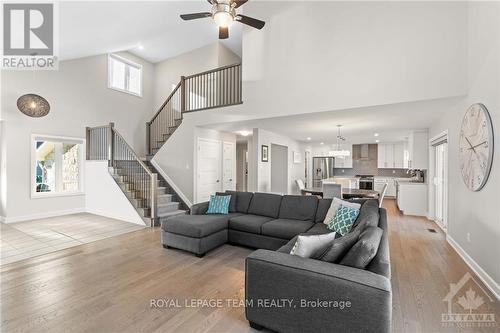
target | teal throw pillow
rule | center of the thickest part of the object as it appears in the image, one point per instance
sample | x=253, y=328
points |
x=343, y=220
x=219, y=204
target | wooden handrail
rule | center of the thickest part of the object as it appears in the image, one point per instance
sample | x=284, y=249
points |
x=166, y=101
x=212, y=71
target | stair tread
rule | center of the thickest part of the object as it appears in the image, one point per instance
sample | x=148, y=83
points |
x=172, y=203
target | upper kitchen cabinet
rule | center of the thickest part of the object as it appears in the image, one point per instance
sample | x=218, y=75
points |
x=345, y=162
x=390, y=155
x=416, y=151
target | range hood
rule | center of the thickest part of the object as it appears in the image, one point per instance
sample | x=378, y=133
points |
x=362, y=152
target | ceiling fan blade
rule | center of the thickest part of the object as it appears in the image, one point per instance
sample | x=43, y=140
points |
x=257, y=24
x=213, y=2
x=239, y=3
x=194, y=16
x=223, y=32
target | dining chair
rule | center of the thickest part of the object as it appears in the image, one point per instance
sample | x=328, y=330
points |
x=300, y=184
x=331, y=191
x=382, y=195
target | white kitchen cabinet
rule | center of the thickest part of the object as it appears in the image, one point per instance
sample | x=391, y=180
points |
x=345, y=162
x=417, y=151
x=379, y=183
x=390, y=155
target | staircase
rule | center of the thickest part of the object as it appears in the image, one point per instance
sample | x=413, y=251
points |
x=149, y=193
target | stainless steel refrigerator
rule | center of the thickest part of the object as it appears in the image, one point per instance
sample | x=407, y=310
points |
x=322, y=169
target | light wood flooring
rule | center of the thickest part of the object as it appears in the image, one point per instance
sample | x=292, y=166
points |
x=108, y=285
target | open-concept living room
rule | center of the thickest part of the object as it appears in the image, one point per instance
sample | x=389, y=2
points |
x=250, y=165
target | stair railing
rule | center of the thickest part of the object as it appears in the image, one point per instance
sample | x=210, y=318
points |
x=106, y=143
x=207, y=90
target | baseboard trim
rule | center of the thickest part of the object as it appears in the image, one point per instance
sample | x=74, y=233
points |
x=171, y=183
x=111, y=216
x=2, y=219
x=43, y=215
x=474, y=266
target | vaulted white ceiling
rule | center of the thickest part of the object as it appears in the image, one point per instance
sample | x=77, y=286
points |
x=91, y=28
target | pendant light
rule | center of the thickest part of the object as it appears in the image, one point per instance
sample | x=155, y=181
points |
x=339, y=152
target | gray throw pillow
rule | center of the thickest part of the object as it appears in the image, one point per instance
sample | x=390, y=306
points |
x=340, y=247
x=365, y=249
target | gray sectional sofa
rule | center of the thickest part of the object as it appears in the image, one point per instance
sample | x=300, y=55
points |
x=313, y=292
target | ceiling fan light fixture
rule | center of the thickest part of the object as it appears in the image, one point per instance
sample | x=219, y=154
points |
x=223, y=18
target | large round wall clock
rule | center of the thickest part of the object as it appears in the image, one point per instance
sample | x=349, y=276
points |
x=476, y=146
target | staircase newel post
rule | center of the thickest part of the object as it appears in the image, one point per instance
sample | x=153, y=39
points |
x=154, y=182
x=111, y=150
x=87, y=143
x=148, y=138
x=183, y=95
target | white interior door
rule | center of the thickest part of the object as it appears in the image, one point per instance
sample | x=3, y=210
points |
x=209, y=169
x=228, y=166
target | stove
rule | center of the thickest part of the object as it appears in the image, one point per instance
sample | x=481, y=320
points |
x=365, y=182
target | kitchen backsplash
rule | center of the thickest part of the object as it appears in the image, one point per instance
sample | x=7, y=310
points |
x=368, y=166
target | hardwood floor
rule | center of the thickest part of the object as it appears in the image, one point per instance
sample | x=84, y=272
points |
x=108, y=285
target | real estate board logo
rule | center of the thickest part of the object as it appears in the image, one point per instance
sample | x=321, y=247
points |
x=29, y=36
x=469, y=305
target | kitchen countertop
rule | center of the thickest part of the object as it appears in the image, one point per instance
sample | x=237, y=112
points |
x=408, y=182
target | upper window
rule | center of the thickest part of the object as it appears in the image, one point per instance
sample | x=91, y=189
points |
x=124, y=75
x=56, y=166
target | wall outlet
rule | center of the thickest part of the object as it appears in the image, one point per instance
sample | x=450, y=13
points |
x=393, y=171
x=343, y=170
x=468, y=237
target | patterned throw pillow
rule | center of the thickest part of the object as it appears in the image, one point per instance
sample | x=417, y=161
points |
x=343, y=220
x=219, y=204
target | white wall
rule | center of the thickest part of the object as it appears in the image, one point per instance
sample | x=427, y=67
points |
x=352, y=54
x=477, y=213
x=261, y=171
x=104, y=197
x=79, y=97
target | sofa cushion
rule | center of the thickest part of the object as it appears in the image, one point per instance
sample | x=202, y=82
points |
x=365, y=249
x=285, y=228
x=319, y=229
x=323, y=207
x=249, y=223
x=312, y=246
x=218, y=204
x=298, y=207
x=232, y=202
x=242, y=200
x=195, y=225
x=340, y=247
x=265, y=204
x=368, y=215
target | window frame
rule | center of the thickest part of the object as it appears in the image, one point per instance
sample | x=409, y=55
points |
x=81, y=177
x=128, y=63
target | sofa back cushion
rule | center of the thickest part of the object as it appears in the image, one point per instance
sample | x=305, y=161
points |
x=365, y=249
x=298, y=207
x=232, y=202
x=323, y=206
x=265, y=204
x=368, y=216
x=242, y=200
x=381, y=264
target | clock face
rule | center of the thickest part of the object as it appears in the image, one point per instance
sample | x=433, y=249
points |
x=476, y=147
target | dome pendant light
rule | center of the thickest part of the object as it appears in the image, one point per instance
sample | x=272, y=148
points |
x=33, y=105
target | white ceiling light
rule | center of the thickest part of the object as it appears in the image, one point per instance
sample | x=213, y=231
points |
x=339, y=152
x=140, y=47
x=376, y=134
x=244, y=133
x=308, y=138
x=321, y=143
x=223, y=18
x=377, y=141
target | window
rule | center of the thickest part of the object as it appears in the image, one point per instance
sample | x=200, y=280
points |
x=57, y=166
x=124, y=75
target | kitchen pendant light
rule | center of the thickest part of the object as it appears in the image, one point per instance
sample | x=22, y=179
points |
x=339, y=152
x=33, y=105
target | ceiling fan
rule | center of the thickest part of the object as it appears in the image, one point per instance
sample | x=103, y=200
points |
x=224, y=13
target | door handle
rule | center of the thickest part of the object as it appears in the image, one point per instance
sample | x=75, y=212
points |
x=230, y=179
x=218, y=181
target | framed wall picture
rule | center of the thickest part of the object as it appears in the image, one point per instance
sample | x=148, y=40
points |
x=265, y=153
x=296, y=157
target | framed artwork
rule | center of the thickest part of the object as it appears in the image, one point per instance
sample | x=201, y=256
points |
x=265, y=153
x=296, y=157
